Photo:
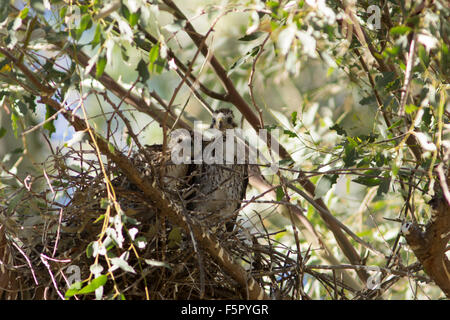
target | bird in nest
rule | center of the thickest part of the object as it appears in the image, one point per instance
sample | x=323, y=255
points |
x=156, y=161
x=219, y=188
x=211, y=192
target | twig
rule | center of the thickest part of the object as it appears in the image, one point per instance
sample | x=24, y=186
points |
x=250, y=80
x=47, y=265
x=408, y=73
x=28, y=261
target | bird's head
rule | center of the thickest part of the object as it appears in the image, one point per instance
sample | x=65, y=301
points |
x=223, y=119
x=180, y=137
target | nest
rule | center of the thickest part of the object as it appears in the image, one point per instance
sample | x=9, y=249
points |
x=84, y=230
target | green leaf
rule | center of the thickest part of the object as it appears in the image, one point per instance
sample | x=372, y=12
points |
x=387, y=77
x=14, y=119
x=62, y=12
x=2, y=132
x=125, y=11
x=400, y=30
x=427, y=116
x=154, y=53
x=153, y=56
x=90, y=249
x=392, y=51
x=370, y=179
x=97, y=36
x=285, y=163
x=175, y=237
x=30, y=102
x=294, y=118
x=367, y=181
x=384, y=186
x=324, y=185
x=379, y=159
x=24, y=13
x=290, y=133
x=244, y=59
x=143, y=70
x=100, y=66
x=350, y=152
x=340, y=131
x=49, y=125
x=270, y=127
x=134, y=18
x=236, y=64
x=251, y=36
x=396, y=124
x=424, y=57
x=84, y=22
x=280, y=194
x=74, y=288
x=410, y=108
x=93, y=285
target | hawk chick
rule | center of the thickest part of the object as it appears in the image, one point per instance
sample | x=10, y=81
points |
x=219, y=188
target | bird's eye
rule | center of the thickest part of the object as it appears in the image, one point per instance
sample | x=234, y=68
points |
x=213, y=121
x=180, y=140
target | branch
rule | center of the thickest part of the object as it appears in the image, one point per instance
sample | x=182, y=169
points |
x=180, y=65
x=130, y=98
x=430, y=245
x=233, y=95
x=303, y=224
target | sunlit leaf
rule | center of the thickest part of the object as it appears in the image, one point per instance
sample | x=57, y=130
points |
x=280, y=193
x=122, y=264
x=176, y=26
x=100, y=66
x=93, y=285
x=251, y=36
x=156, y=263
x=399, y=30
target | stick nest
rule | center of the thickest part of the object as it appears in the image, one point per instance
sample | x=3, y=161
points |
x=66, y=227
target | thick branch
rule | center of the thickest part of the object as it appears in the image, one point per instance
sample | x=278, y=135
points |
x=430, y=245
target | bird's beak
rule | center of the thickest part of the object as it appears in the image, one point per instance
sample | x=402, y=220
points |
x=220, y=123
